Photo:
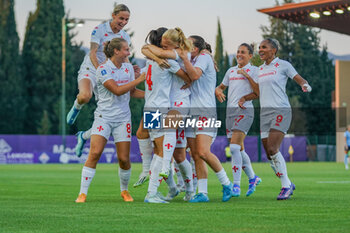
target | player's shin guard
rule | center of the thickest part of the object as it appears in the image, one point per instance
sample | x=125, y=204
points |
x=145, y=146
x=87, y=175
x=281, y=169
x=236, y=163
x=346, y=161
x=194, y=175
x=155, y=179
x=180, y=180
x=169, y=144
x=247, y=165
x=186, y=172
x=124, y=177
x=170, y=180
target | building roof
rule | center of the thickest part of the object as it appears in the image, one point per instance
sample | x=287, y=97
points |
x=324, y=14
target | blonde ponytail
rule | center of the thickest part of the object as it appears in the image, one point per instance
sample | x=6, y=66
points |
x=177, y=38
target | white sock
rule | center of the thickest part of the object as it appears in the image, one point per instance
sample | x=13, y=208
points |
x=87, y=175
x=87, y=134
x=155, y=179
x=281, y=169
x=124, y=177
x=180, y=180
x=346, y=161
x=247, y=165
x=78, y=106
x=236, y=163
x=169, y=144
x=194, y=176
x=186, y=172
x=152, y=164
x=145, y=146
x=272, y=164
x=203, y=186
x=170, y=180
x=222, y=176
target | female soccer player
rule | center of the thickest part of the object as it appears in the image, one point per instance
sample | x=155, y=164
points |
x=241, y=80
x=203, y=108
x=143, y=137
x=87, y=73
x=276, y=114
x=157, y=98
x=115, y=84
x=172, y=40
x=347, y=146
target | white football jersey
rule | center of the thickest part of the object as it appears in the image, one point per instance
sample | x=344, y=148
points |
x=176, y=92
x=100, y=35
x=238, y=85
x=110, y=106
x=203, y=89
x=158, y=84
x=272, y=81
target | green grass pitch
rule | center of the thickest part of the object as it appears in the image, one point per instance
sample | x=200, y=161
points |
x=40, y=198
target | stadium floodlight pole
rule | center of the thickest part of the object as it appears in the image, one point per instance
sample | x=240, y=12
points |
x=79, y=22
x=63, y=87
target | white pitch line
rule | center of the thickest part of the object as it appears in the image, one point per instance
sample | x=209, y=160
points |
x=334, y=182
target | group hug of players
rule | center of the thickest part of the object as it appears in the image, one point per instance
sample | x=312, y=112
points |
x=180, y=80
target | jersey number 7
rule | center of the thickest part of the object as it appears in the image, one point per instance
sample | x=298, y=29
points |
x=149, y=78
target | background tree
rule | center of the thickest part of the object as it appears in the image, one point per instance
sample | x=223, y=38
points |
x=42, y=52
x=219, y=55
x=42, y=62
x=12, y=101
x=222, y=64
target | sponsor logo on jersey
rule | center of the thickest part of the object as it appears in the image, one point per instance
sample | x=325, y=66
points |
x=267, y=74
x=103, y=72
x=237, y=78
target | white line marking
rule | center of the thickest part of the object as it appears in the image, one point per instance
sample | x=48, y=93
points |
x=334, y=182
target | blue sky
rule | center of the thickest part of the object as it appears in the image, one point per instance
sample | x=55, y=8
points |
x=240, y=21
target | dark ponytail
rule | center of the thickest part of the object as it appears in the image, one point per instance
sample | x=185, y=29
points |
x=208, y=47
x=154, y=37
x=199, y=42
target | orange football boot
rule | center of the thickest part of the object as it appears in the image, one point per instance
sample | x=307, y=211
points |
x=126, y=196
x=81, y=198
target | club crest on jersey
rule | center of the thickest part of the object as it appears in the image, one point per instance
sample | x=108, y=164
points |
x=103, y=72
x=151, y=120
